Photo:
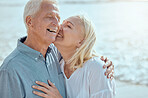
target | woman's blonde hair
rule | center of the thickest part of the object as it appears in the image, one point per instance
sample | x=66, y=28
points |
x=33, y=6
x=85, y=51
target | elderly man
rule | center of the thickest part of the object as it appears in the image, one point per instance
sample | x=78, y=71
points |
x=35, y=57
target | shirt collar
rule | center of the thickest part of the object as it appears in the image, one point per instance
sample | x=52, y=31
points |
x=29, y=51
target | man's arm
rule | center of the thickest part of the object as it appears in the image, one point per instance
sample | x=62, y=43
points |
x=9, y=86
x=110, y=67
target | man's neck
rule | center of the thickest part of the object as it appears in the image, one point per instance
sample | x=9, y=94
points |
x=36, y=45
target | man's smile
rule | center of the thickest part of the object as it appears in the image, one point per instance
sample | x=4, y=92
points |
x=50, y=30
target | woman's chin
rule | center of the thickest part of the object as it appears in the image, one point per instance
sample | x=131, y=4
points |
x=57, y=42
x=58, y=39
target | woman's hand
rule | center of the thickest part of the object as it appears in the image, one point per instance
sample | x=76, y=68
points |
x=49, y=91
x=110, y=67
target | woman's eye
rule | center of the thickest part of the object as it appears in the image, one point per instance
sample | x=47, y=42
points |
x=69, y=26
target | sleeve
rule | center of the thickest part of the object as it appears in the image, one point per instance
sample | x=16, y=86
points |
x=9, y=86
x=99, y=85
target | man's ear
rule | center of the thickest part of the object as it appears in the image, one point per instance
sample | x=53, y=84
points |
x=80, y=43
x=29, y=21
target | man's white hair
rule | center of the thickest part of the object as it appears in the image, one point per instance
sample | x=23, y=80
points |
x=33, y=6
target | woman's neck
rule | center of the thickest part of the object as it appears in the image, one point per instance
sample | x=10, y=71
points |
x=66, y=53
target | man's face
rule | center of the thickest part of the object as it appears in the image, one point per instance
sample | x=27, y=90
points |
x=45, y=24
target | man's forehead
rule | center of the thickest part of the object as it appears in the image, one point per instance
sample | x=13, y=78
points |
x=49, y=6
x=52, y=13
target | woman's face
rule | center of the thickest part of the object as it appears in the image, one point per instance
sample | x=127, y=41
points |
x=71, y=33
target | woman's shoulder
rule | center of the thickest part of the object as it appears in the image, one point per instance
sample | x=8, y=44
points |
x=94, y=67
x=94, y=63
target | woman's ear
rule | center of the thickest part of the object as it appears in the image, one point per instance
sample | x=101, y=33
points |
x=29, y=21
x=80, y=43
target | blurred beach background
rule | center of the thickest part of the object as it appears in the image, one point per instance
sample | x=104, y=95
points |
x=122, y=36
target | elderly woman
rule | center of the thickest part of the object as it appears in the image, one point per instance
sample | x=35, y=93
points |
x=81, y=66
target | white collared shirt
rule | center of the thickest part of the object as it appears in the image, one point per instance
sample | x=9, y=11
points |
x=89, y=81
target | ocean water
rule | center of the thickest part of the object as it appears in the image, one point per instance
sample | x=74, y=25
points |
x=121, y=29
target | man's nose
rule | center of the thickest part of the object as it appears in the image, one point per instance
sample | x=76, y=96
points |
x=61, y=27
x=55, y=22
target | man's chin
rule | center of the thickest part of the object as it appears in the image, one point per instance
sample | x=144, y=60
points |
x=54, y=42
x=56, y=39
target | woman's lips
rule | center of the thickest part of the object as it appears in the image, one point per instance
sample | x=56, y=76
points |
x=60, y=36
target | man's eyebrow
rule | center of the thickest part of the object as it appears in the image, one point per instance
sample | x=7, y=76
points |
x=70, y=23
x=49, y=14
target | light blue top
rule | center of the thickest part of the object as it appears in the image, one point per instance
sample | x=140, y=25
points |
x=24, y=66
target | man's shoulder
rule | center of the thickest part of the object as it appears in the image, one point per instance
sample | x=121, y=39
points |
x=11, y=60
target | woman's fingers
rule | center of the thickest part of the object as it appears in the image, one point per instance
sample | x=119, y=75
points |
x=51, y=84
x=43, y=89
x=41, y=94
x=43, y=84
x=48, y=91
